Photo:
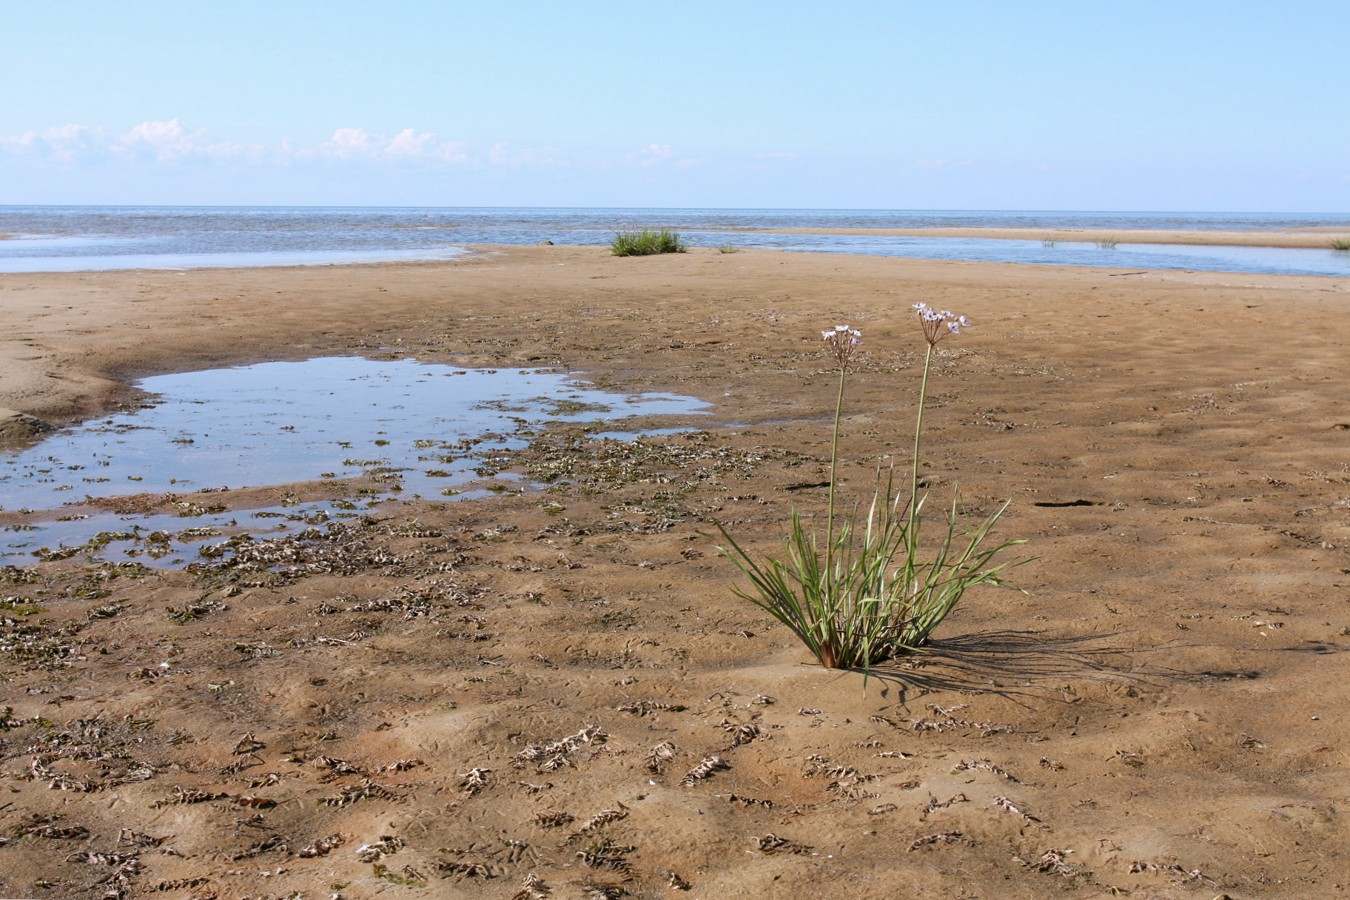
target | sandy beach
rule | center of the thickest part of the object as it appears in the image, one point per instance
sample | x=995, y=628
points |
x=555, y=693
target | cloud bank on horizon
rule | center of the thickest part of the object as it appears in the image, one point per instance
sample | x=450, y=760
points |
x=879, y=104
x=169, y=141
x=168, y=148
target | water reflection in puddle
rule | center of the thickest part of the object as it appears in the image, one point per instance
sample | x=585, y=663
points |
x=418, y=429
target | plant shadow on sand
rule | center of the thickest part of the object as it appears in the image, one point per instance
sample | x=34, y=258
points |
x=1013, y=664
x=1009, y=663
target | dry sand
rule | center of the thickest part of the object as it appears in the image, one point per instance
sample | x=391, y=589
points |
x=487, y=695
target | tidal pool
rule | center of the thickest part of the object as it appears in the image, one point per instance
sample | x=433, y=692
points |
x=420, y=429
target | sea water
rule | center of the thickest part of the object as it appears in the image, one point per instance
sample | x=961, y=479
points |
x=83, y=238
x=422, y=429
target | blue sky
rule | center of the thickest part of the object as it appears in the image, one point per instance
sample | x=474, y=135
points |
x=909, y=104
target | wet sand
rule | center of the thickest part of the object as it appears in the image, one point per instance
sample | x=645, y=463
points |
x=558, y=687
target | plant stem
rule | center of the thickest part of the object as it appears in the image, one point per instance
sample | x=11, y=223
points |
x=918, y=432
x=834, y=466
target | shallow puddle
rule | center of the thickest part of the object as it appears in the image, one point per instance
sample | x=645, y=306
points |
x=417, y=429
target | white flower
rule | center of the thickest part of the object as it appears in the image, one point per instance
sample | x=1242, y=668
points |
x=933, y=320
x=842, y=341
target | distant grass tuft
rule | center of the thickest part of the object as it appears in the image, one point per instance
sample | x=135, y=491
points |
x=1107, y=244
x=1340, y=243
x=728, y=248
x=646, y=242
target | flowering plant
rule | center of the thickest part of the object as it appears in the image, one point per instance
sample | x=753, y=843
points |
x=871, y=596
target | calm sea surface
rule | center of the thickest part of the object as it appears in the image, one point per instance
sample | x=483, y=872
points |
x=82, y=238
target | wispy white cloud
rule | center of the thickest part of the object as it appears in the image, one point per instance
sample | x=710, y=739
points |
x=169, y=141
x=154, y=141
x=409, y=145
x=164, y=141
x=62, y=144
x=651, y=155
x=349, y=143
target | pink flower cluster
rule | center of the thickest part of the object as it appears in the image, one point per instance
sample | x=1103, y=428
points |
x=937, y=324
x=842, y=341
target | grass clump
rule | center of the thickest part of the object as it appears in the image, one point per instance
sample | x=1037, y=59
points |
x=873, y=592
x=647, y=242
x=1342, y=244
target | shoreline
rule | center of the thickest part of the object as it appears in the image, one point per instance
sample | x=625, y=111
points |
x=371, y=703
